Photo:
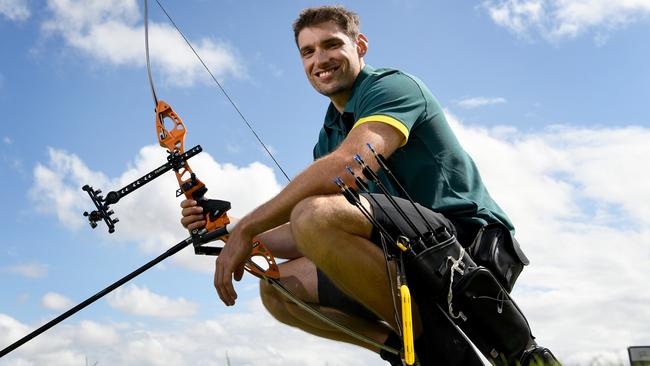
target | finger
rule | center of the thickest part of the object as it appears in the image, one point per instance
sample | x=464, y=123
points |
x=197, y=225
x=224, y=283
x=193, y=222
x=218, y=281
x=188, y=203
x=191, y=218
x=228, y=288
x=194, y=210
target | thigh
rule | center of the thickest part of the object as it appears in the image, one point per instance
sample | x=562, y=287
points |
x=320, y=214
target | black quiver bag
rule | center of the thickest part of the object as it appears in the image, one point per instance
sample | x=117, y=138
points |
x=496, y=249
x=444, y=276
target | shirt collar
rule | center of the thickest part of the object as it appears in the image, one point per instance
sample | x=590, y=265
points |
x=363, y=74
x=332, y=117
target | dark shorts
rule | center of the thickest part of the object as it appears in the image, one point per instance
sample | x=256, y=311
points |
x=390, y=219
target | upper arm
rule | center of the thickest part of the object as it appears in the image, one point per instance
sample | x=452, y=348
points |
x=384, y=138
x=386, y=111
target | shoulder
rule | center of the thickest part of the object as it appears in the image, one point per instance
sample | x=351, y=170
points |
x=391, y=79
x=393, y=87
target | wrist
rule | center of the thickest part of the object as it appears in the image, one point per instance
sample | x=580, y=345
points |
x=246, y=229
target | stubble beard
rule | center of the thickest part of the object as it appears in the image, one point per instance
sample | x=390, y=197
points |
x=332, y=89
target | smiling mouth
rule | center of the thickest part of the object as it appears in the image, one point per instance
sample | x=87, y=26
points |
x=326, y=73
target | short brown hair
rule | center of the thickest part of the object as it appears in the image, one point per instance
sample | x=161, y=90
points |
x=347, y=20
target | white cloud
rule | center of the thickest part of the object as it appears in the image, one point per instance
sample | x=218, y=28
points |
x=7, y=140
x=11, y=329
x=31, y=270
x=559, y=19
x=112, y=32
x=62, y=345
x=150, y=216
x=475, y=102
x=91, y=333
x=15, y=10
x=248, y=337
x=578, y=200
x=55, y=301
x=140, y=301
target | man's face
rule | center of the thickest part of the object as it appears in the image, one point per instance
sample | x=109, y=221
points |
x=330, y=58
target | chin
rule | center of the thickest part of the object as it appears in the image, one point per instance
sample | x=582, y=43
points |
x=330, y=90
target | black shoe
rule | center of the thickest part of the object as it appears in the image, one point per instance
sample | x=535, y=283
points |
x=393, y=341
x=396, y=360
x=539, y=356
x=392, y=359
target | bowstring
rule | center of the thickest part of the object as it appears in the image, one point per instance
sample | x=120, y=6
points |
x=223, y=90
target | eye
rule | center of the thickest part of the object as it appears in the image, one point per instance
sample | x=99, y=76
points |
x=335, y=43
x=306, y=52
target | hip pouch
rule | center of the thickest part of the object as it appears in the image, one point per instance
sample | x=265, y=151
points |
x=497, y=250
x=432, y=268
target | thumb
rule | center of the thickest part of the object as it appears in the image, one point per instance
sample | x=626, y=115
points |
x=239, y=273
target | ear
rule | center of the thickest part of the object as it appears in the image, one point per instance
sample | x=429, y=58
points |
x=362, y=45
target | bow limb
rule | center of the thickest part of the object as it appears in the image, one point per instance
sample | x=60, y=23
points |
x=173, y=139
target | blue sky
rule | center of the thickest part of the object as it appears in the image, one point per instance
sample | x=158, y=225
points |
x=550, y=98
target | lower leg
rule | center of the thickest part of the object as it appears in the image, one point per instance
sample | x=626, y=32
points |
x=300, y=277
x=287, y=312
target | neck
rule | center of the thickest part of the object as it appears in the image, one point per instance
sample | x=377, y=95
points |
x=341, y=99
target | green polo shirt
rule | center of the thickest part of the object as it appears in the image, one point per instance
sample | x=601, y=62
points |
x=430, y=164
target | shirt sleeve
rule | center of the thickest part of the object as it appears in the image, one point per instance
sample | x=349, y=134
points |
x=395, y=99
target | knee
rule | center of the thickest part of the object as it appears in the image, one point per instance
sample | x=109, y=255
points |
x=310, y=219
x=309, y=214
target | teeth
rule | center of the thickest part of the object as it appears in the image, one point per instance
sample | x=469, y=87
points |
x=322, y=74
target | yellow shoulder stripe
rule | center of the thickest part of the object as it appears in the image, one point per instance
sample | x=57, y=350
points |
x=388, y=120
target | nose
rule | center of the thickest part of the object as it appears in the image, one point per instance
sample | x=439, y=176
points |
x=322, y=57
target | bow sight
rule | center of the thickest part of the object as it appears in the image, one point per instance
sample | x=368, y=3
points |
x=175, y=161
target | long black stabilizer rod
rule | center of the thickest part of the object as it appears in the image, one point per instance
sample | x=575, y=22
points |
x=171, y=251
